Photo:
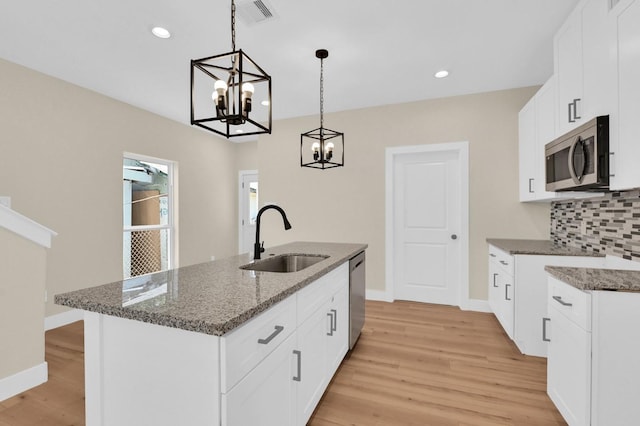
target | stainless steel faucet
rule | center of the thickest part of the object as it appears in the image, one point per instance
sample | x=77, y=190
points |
x=259, y=247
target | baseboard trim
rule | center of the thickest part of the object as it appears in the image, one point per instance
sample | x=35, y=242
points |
x=62, y=319
x=378, y=295
x=22, y=381
x=476, y=305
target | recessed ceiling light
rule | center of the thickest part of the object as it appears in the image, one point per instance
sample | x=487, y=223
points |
x=161, y=32
x=264, y=103
x=441, y=74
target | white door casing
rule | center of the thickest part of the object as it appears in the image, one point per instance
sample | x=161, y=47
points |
x=427, y=223
x=246, y=222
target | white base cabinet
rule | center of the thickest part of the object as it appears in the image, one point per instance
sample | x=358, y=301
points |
x=271, y=371
x=593, y=369
x=518, y=295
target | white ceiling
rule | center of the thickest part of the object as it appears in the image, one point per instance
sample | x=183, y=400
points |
x=380, y=52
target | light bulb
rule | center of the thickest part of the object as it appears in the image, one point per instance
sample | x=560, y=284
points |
x=328, y=150
x=315, y=147
x=247, y=89
x=221, y=89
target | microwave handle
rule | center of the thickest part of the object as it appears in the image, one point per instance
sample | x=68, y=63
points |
x=572, y=171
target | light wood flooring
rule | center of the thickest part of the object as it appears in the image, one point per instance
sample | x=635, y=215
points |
x=415, y=364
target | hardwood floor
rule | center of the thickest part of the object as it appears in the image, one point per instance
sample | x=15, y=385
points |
x=415, y=364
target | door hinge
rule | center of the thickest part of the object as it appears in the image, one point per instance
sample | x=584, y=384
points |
x=242, y=185
x=242, y=222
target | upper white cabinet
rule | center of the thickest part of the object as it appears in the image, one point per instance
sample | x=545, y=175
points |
x=581, y=65
x=624, y=39
x=537, y=123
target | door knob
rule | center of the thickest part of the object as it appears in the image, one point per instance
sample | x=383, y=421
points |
x=454, y=237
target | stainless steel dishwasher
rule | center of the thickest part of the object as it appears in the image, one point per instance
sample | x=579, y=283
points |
x=357, y=286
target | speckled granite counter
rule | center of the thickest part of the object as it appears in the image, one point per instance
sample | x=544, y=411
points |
x=537, y=247
x=597, y=278
x=212, y=297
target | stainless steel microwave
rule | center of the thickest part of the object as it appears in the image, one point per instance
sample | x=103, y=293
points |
x=579, y=160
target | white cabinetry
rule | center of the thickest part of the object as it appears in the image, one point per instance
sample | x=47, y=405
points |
x=501, y=288
x=323, y=338
x=270, y=371
x=537, y=123
x=582, y=65
x=569, y=360
x=268, y=390
x=518, y=294
x=624, y=37
x=592, y=368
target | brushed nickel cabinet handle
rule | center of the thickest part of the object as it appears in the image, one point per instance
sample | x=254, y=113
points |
x=506, y=291
x=330, y=315
x=560, y=301
x=494, y=279
x=298, y=377
x=278, y=330
x=544, y=329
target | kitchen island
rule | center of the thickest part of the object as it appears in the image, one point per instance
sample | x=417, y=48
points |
x=216, y=344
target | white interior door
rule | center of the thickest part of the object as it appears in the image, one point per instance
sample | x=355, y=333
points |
x=427, y=221
x=248, y=211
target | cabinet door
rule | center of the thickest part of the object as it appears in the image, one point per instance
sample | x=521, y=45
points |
x=494, y=286
x=527, y=150
x=506, y=300
x=568, y=70
x=338, y=330
x=625, y=126
x=311, y=353
x=569, y=368
x=265, y=396
x=597, y=77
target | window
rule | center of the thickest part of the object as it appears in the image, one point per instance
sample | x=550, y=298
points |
x=147, y=215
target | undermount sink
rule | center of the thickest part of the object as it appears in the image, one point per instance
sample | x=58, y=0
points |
x=285, y=263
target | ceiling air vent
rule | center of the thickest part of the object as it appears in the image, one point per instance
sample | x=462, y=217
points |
x=255, y=11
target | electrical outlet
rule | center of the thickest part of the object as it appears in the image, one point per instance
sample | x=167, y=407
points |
x=213, y=257
x=46, y=296
x=583, y=227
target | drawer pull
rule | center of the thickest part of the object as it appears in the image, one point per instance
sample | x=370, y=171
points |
x=506, y=291
x=504, y=263
x=560, y=301
x=544, y=329
x=494, y=279
x=492, y=255
x=278, y=330
x=298, y=377
x=335, y=320
x=330, y=315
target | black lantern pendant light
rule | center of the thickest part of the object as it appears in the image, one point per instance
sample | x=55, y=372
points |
x=224, y=88
x=322, y=148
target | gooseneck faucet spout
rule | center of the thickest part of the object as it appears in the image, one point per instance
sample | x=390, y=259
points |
x=259, y=247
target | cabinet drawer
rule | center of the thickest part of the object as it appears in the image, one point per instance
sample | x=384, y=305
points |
x=317, y=293
x=503, y=260
x=572, y=303
x=244, y=348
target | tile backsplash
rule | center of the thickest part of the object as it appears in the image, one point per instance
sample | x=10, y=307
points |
x=608, y=224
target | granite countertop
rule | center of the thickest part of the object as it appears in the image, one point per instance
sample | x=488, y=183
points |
x=211, y=298
x=538, y=247
x=597, y=278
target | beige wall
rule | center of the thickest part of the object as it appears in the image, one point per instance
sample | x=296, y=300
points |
x=347, y=204
x=247, y=155
x=22, y=265
x=61, y=151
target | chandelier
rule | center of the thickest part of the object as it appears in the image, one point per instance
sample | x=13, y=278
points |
x=322, y=148
x=223, y=90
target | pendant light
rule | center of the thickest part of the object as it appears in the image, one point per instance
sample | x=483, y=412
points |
x=322, y=148
x=230, y=93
